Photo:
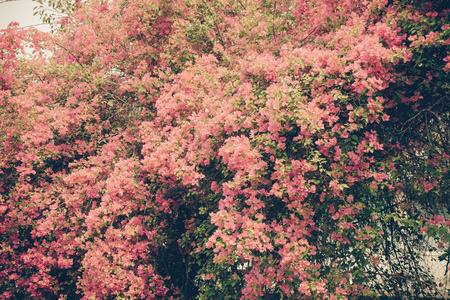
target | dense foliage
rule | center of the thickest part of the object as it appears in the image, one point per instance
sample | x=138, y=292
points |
x=225, y=149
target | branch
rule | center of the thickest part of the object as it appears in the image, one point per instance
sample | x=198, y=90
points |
x=314, y=29
x=76, y=58
x=273, y=21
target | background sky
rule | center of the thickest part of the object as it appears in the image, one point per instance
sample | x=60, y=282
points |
x=20, y=11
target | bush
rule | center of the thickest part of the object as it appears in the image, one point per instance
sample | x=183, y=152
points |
x=225, y=149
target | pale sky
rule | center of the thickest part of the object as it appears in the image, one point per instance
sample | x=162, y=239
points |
x=20, y=11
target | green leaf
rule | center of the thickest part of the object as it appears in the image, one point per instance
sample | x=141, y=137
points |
x=447, y=238
x=442, y=231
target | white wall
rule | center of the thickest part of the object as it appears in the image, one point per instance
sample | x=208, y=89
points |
x=20, y=11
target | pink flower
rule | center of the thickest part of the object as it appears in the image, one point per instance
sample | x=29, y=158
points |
x=428, y=186
x=304, y=289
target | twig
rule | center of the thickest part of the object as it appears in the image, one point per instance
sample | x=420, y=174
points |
x=70, y=53
x=314, y=29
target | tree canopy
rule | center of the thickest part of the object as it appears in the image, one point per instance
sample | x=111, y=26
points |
x=225, y=149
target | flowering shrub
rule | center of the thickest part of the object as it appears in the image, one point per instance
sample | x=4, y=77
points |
x=225, y=150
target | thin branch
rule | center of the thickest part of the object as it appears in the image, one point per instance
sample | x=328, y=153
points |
x=243, y=7
x=112, y=95
x=314, y=29
x=76, y=58
x=273, y=21
x=222, y=42
x=403, y=129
